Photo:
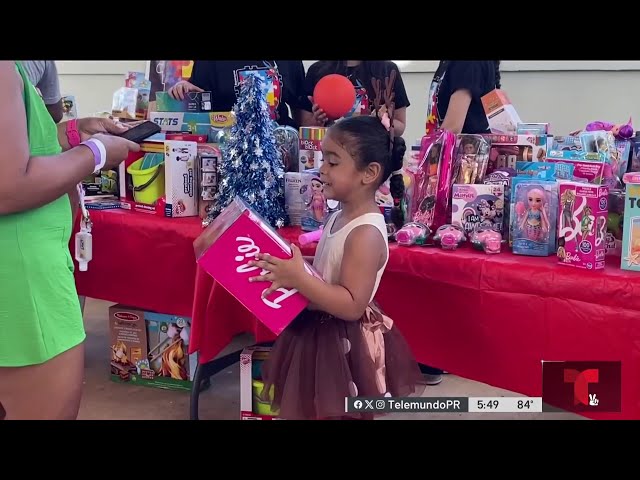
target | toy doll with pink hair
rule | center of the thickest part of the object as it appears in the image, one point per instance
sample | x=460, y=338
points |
x=534, y=222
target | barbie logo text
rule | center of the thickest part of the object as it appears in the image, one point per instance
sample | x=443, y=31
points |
x=249, y=250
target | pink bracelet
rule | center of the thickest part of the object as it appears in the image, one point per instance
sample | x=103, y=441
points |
x=73, y=136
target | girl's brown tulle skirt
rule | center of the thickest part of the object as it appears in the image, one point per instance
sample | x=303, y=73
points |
x=319, y=360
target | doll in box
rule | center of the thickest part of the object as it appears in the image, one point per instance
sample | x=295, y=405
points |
x=318, y=202
x=533, y=221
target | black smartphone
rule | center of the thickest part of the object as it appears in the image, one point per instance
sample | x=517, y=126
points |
x=141, y=132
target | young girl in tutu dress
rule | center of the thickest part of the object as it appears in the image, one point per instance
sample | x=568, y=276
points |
x=342, y=345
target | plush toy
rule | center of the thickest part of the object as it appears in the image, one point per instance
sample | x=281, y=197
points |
x=620, y=131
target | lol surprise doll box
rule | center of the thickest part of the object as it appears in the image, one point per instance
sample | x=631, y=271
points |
x=254, y=403
x=631, y=227
x=310, y=152
x=224, y=251
x=477, y=205
x=582, y=225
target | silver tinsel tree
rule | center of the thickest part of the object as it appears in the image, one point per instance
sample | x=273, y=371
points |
x=252, y=166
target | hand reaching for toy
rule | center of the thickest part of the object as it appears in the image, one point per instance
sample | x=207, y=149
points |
x=319, y=116
x=281, y=273
x=180, y=89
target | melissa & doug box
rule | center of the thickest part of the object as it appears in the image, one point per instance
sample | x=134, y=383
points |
x=582, y=225
x=226, y=247
x=253, y=405
x=150, y=349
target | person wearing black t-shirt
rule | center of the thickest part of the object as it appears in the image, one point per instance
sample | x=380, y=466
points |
x=284, y=81
x=360, y=72
x=454, y=101
x=454, y=104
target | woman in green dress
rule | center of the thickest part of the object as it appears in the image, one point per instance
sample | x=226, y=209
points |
x=41, y=327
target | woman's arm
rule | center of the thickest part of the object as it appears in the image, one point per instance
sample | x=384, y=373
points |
x=30, y=182
x=399, y=121
x=457, y=111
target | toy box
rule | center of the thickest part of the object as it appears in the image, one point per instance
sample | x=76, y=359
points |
x=582, y=225
x=545, y=170
x=631, y=230
x=471, y=159
x=169, y=360
x=300, y=192
x=150, y=349
x=138, y=81
x=181, y=170
x=192, y=102
x=433, y=180
x=504, y=178
x=533, y=217
x=532, y=129
x=226, y=247
x=200, y=123
x=501, y=114
x=209, y=157
x=615, y=222
x=142, y=182
x=507, y=150
x=477, y=205
x=316, y=207
x=310, y=152
x=129, y=350
x=252, y=404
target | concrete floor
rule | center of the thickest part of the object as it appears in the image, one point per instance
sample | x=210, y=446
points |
x=107, y=400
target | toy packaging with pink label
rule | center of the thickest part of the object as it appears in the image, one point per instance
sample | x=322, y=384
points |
x=631, y=229
x=582, y=225
x=224, y=251
x=254, y=403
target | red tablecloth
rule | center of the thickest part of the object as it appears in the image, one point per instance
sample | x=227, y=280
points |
x=488, y=318
x=141, y=260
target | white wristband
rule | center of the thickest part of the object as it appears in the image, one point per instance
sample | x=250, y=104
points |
x=99, y=153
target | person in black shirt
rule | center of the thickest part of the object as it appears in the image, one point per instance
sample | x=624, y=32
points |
x=454, y=97
x=284, y=80
x=360, y=72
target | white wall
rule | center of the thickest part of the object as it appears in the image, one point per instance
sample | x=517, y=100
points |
x=567, y=94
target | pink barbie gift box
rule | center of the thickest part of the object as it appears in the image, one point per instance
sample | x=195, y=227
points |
x=224, y=251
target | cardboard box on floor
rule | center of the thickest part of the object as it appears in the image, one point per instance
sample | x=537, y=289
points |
x=251, y=406
x=150, y=349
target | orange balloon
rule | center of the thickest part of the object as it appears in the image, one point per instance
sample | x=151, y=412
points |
x=335, y=95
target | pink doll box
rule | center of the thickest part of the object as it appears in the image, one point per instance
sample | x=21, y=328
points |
x=582, y=225
x=253, y=406
x=226, y=247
